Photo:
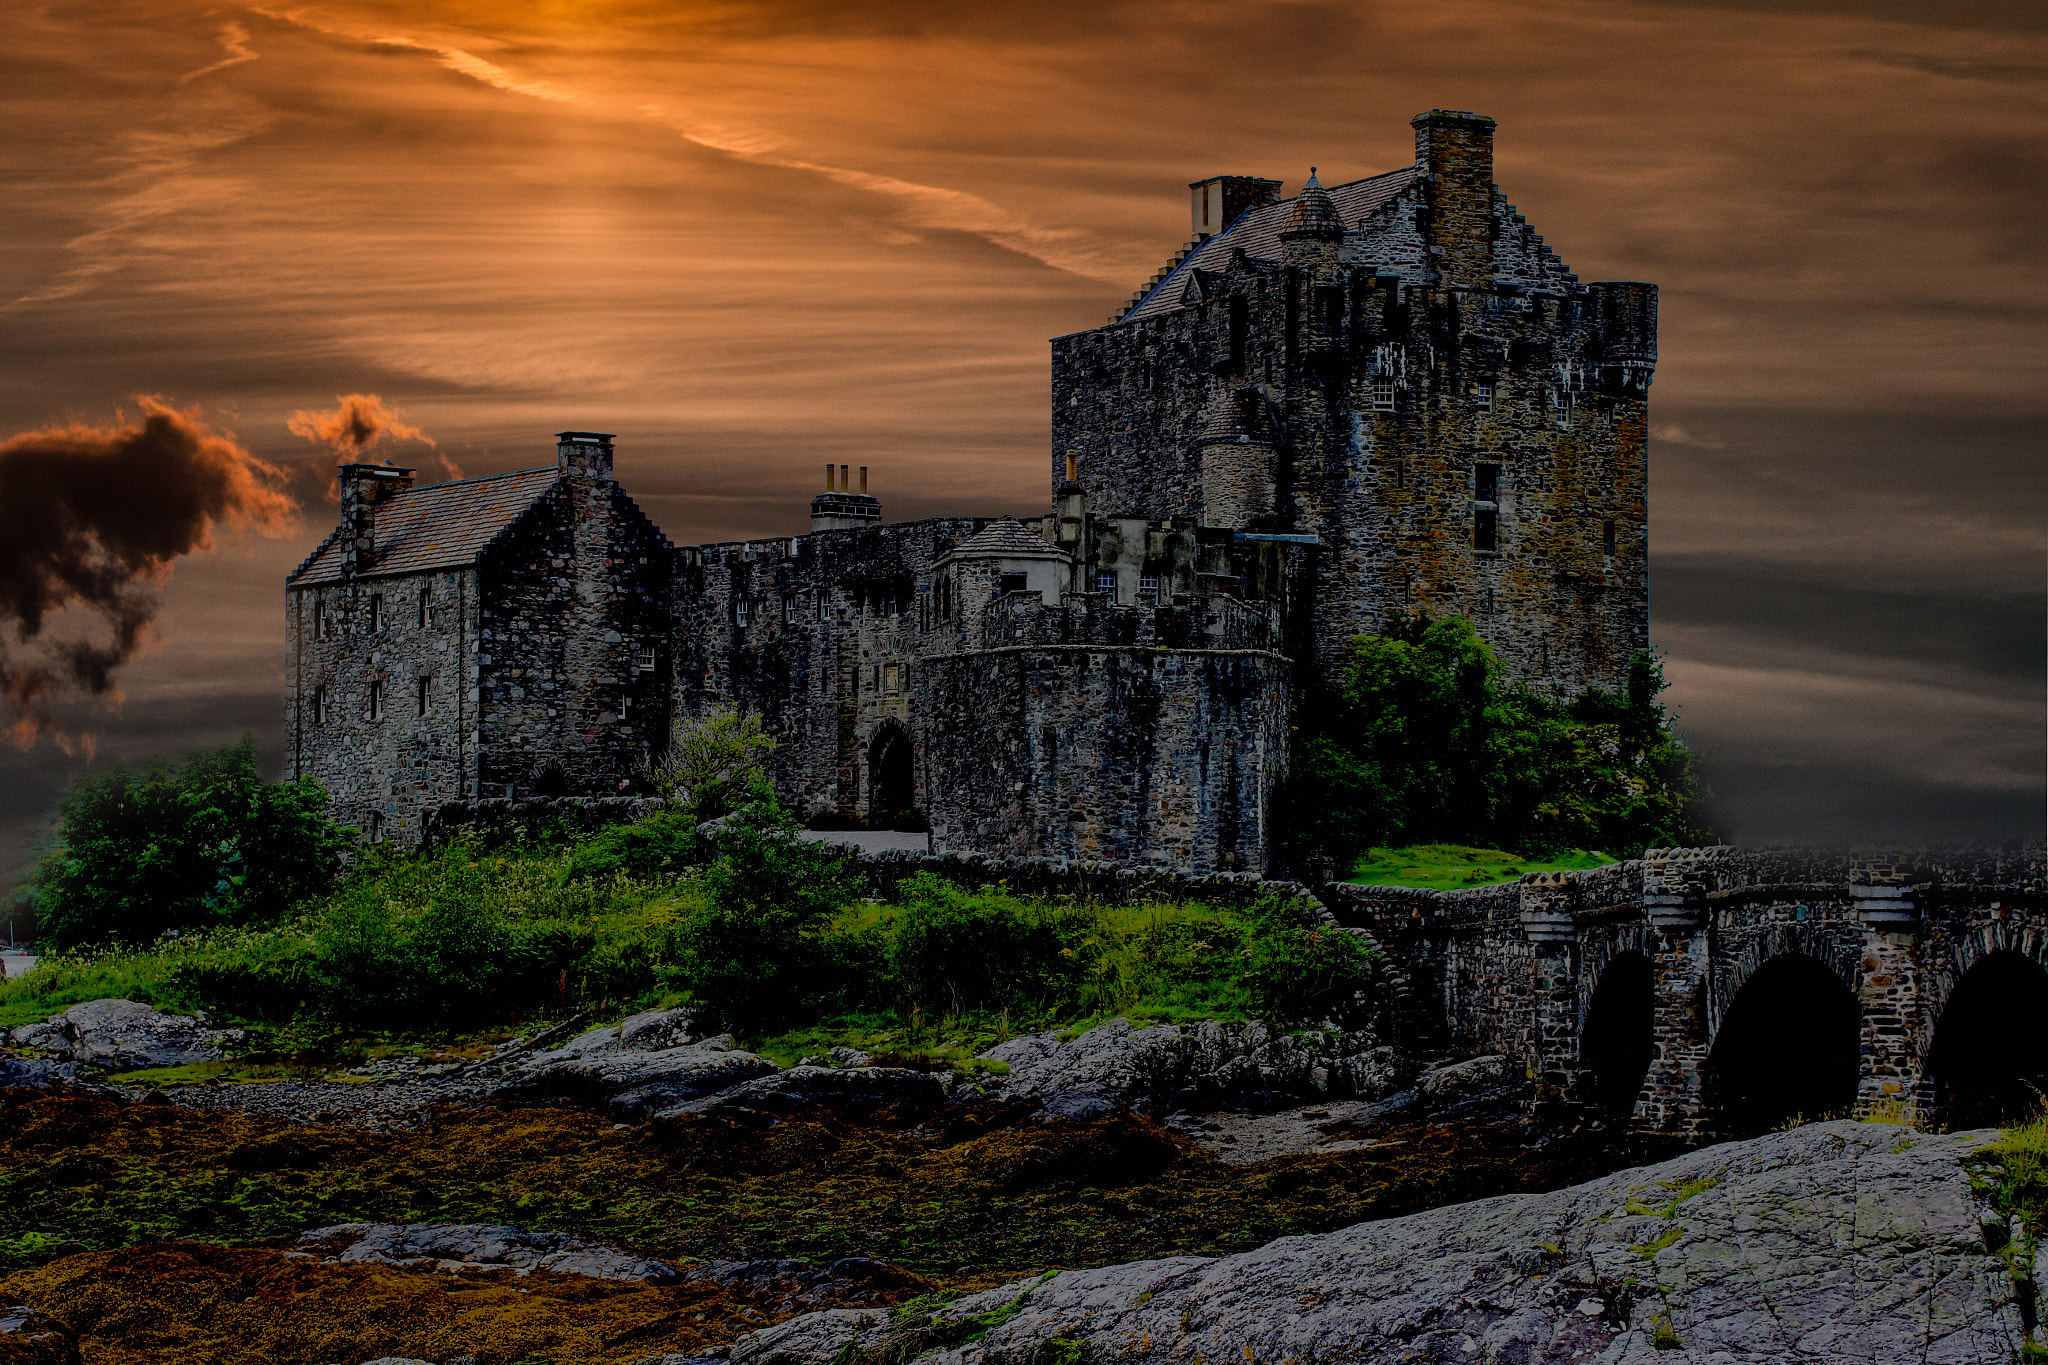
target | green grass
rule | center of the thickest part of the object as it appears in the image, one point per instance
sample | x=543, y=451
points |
x=1450, y=867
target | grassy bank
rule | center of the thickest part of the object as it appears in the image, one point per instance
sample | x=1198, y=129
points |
x=1452, y=867
x=758, y=934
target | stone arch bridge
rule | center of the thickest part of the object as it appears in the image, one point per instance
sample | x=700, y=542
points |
x=1727, y=990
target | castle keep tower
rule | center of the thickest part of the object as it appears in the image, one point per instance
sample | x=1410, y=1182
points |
x=1401, y=369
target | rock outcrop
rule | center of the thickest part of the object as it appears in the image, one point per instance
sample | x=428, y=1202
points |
x=638, y=1067
x=1832, y=1242
x=473, y=1247
x=1204, y=1065
x=123, y=1035
x=861, y=1092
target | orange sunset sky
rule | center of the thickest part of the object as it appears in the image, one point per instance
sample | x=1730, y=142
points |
x=752, y=238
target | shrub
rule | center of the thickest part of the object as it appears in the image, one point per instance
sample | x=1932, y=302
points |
x=202, y=842
x=954, y=950
x=1302, y=973
x=753, y=953
x=662, y=847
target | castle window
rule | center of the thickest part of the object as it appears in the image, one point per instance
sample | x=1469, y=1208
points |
x=1106, y=582
x=643, y=657
x=1482, y=397
x=788, y=609
x=319, y=620
x=1382, y=395
x=426, y=605
x=625, y=705
x=1484, y=528
x=1607, y=537
x=376, y=826
x=742, y=611
x=376, y=701
x=1486, y=483
x=892, y=679
x=824, y=606
x=376, y=612
x=1148, y=588
x=1011, y=582
x=319, y=706
x=426, y=692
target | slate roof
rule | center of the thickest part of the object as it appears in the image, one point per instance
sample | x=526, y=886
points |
x=1003, y=538
x=439, y=526
x=1257, y=231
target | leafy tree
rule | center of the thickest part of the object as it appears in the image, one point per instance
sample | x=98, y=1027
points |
x=1427, y=741
x=715, y=763
x=171, y=846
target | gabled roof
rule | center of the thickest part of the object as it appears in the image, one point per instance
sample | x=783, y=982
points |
x=1004, y=538
x=1257, y=231
x=440, y=526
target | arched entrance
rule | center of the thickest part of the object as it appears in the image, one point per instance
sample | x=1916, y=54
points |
x=1619, y=1038
x=1989, y=1061
x=1788, y=1048
x=892, y=783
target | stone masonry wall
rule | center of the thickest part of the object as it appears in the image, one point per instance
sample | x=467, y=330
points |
x=573, y=625
x=387, y=758
x=1137, y=755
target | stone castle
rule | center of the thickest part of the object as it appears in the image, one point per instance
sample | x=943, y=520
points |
x=1324, y=413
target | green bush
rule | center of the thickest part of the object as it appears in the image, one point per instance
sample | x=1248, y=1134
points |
x=755, y=953
x=203, y=842
x=1427, y=741
x=954, y=950
x=1300, y=973
x=662, y=847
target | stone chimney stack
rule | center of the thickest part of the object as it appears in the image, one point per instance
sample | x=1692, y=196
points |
x=364, y=487
x=1215, y=202
x=836, y=509
x=585, y=454
x=1454, y=152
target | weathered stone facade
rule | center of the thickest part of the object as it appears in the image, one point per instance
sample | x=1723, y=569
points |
x=1400, y=368
x=1696, y=989
x=1327, y=411
x=479, y=638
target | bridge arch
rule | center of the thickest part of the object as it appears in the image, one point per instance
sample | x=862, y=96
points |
x=1741, y=954
x=1788, y=1044
x=1987, y=1054
x=1618, y=1032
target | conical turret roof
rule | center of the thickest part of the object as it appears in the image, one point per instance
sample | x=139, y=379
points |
x=1234, y=416
x=1314, y=213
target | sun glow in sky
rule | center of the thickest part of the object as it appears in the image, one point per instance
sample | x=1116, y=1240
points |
x=752, y=238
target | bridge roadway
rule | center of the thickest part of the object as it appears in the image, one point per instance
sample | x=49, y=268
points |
x=1723, y=990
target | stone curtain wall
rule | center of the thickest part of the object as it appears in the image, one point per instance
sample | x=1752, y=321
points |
x=1519, y=964
x=571, y=594
x=394, y=767
x=1130, y=755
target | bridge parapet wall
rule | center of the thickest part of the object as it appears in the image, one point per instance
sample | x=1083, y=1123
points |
x=1515, y=967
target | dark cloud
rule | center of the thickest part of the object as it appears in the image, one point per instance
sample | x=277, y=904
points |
x=93, y=518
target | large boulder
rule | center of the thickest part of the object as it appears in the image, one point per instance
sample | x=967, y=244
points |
x=814, y=1339
x=28, y=1337
x=123, y=1035
x=635, y=1079
x=1833, y=1242
x=861, y=1092
x=1204, y=1065
x=471, y=1247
